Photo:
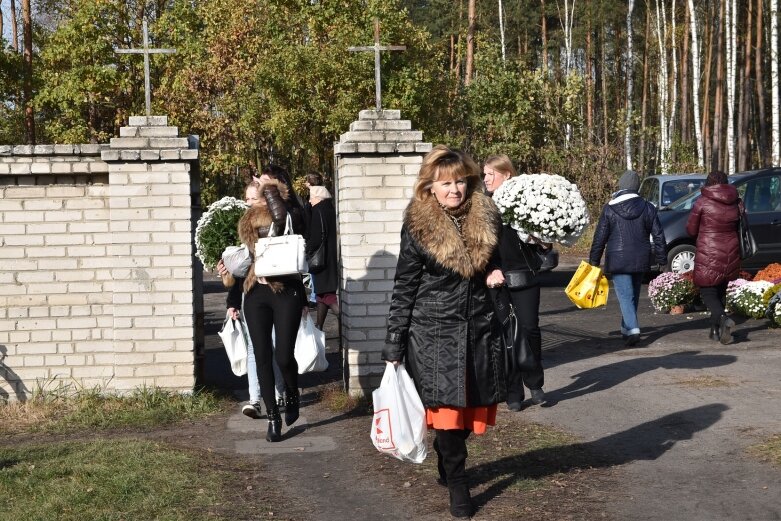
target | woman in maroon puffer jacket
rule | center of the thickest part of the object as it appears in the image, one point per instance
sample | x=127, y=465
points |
x=714, y=221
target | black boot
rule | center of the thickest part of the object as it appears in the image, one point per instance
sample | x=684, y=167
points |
x=460, y=502
x=442, y=479
x=725, y=329
x=714, y=332
x=452, y=447
x=274, y=432
x=291, y=406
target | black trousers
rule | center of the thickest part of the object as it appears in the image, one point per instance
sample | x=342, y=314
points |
x=450, y=446
x=281, y=311
x=714, y=298
x=527, y=309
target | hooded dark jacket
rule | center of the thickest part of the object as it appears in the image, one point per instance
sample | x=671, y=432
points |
x=623, y=233
x=714, y=221
x=441, y=321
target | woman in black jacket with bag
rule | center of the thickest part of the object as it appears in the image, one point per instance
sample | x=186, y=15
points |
x=321, y=247
x=523, y=260
x=441, y=322
x=272, y=302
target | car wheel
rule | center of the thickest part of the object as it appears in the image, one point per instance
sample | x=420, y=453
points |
x=681, y=258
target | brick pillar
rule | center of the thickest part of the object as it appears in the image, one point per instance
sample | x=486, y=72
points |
x=377, y=163
x=149, y=169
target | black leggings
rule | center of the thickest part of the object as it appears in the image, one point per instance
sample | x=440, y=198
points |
x=265, y=309
x=527, y=309
x=714, y=298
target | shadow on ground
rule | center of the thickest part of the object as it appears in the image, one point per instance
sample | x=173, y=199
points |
x=647, y=441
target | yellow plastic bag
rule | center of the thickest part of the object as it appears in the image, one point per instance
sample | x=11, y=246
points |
x=588, y=287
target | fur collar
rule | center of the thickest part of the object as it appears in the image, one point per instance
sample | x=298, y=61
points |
x=467, y=254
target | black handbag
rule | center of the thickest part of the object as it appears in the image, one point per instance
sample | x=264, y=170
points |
x=518, y=354
x=316, y=259
x=746, y=241
x=520, y=279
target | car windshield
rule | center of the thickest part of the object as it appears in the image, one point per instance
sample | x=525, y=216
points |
x=686, y=202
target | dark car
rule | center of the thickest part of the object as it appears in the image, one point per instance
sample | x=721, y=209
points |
x=661, y=190
x=761, y=194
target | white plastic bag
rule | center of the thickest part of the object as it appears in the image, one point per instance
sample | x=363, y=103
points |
x=237, y=260
x=399, y=422
x=310, y=347
x=232, y=335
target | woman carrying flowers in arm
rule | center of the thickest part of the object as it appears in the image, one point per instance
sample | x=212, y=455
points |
x=622, y=234
x=441, y=323
x=714, y=222
x=515, y=254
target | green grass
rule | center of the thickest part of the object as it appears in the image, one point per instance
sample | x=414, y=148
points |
x=105, y=481
x=770, y=450
x=66, y=408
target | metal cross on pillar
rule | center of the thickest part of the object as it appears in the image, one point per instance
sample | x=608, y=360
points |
x=146, y=51
x=376, y=48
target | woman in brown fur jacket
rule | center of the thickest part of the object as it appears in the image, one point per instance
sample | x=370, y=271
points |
x=271, y=302
x=441, y=321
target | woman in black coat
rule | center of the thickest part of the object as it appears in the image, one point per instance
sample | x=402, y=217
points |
x=516, y=255
x=322, y=229
x=441, y=321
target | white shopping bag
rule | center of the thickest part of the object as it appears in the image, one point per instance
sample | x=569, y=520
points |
x=237, y=260
x=310, y=347
x=232, y=335
x=399, y=422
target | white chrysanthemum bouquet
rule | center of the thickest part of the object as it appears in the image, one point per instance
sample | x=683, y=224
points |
x=217, y=229
x=546, y=206
x=746, y=297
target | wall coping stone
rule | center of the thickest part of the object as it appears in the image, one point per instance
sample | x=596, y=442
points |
x=381, y=132
x=86, y=149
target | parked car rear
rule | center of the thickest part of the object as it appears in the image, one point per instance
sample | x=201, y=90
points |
x=760, y=191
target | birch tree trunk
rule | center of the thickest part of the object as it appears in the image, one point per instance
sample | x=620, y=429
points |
x=664, y=85
x=470, y=43
x=501, y=30
x=629, y=63
x=589, y=81
x=683, y=85
x=774, y=101
x=696, y=71
x=644, y=102
x=730, y=21
x=706, y=113
x=674, y=80
x=764, y=149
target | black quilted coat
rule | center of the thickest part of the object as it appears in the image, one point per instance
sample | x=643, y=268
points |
x=623, y=233
x=441, y=321
x=714, y=221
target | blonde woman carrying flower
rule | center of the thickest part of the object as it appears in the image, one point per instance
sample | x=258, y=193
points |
x=524, y=256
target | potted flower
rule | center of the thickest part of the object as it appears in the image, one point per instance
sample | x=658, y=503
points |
x=671, y=292
x=217, y=229
x=747, y=298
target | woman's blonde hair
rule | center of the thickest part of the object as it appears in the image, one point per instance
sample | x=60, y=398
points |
x=445, y=163
x=502, y=164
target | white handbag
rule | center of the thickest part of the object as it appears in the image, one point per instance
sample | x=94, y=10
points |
x=310, y=347
x=280, y=255
x=232, y=335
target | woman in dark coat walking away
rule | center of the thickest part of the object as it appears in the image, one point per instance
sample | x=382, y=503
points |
x=622, y=232
x=441, y=321
x=322, y=228
x=523, y=256
x=714, y=222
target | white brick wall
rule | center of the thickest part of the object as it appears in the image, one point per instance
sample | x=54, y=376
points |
x=96, y=275
x=373, y=189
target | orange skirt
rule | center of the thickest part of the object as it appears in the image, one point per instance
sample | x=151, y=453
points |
x=476, y=419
